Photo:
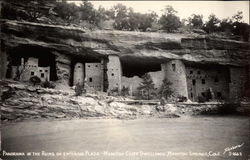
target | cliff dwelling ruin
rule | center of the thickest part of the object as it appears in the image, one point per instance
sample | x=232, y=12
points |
x=105, y=66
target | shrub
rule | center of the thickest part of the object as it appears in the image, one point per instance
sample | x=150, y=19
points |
x=181, y=98
x=165, y=90
x=79, y=89
x=125, y=91
x=48, y=84
x=7, y=94
x=201, y=99
x=35, y=80
x=114, y=92
x=146, y=90
x=208, y=95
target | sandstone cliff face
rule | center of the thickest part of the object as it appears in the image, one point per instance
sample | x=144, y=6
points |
x=130, y=46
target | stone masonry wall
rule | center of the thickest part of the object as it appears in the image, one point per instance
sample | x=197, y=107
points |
x=133, y=82
x=175, y=72
x=201, y=80
x=236, y=85
x=94, y=75
x=157, y=78
x=114, y=72
x=78, y=74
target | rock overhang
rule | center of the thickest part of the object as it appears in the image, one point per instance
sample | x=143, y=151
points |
x=131, y=47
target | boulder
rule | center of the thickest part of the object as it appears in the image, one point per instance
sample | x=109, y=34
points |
x=146, y=109
x=170, y=108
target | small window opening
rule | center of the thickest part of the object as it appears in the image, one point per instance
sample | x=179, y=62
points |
x=32, y=73
x=88, y=65
x=191, y=72
x=112, y=74
x=193, y=82
x=46, y=70
x=173, y=67
x=216, y=79
x=40, y=70
x=203, y=81
x=96, y=66
x=79, y=66
x=191, y=95
x=90, y=79
x=42, y=75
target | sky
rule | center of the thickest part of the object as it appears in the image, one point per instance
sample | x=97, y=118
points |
x=222, y=9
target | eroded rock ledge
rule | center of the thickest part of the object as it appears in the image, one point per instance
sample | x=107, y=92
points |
x=129, y=46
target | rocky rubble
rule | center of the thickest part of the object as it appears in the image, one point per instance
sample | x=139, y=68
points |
x=29, y=102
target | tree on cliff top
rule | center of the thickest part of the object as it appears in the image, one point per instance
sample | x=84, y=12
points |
x=26, y=10
x=66, y=11
x=146, y=88
x=196, y=21
x=211, y=24
x=169, y=21
x=239, y=27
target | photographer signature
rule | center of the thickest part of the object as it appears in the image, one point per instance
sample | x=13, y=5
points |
x=232, y=148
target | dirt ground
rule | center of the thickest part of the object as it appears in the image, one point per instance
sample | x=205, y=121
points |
x=185, y=138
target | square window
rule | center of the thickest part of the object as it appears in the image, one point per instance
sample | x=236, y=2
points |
x=32, y=73
x=112, y=74
x=42, y=75
x=90, y=79
x=203, y=81
x=40, y=70
x=88, y=65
